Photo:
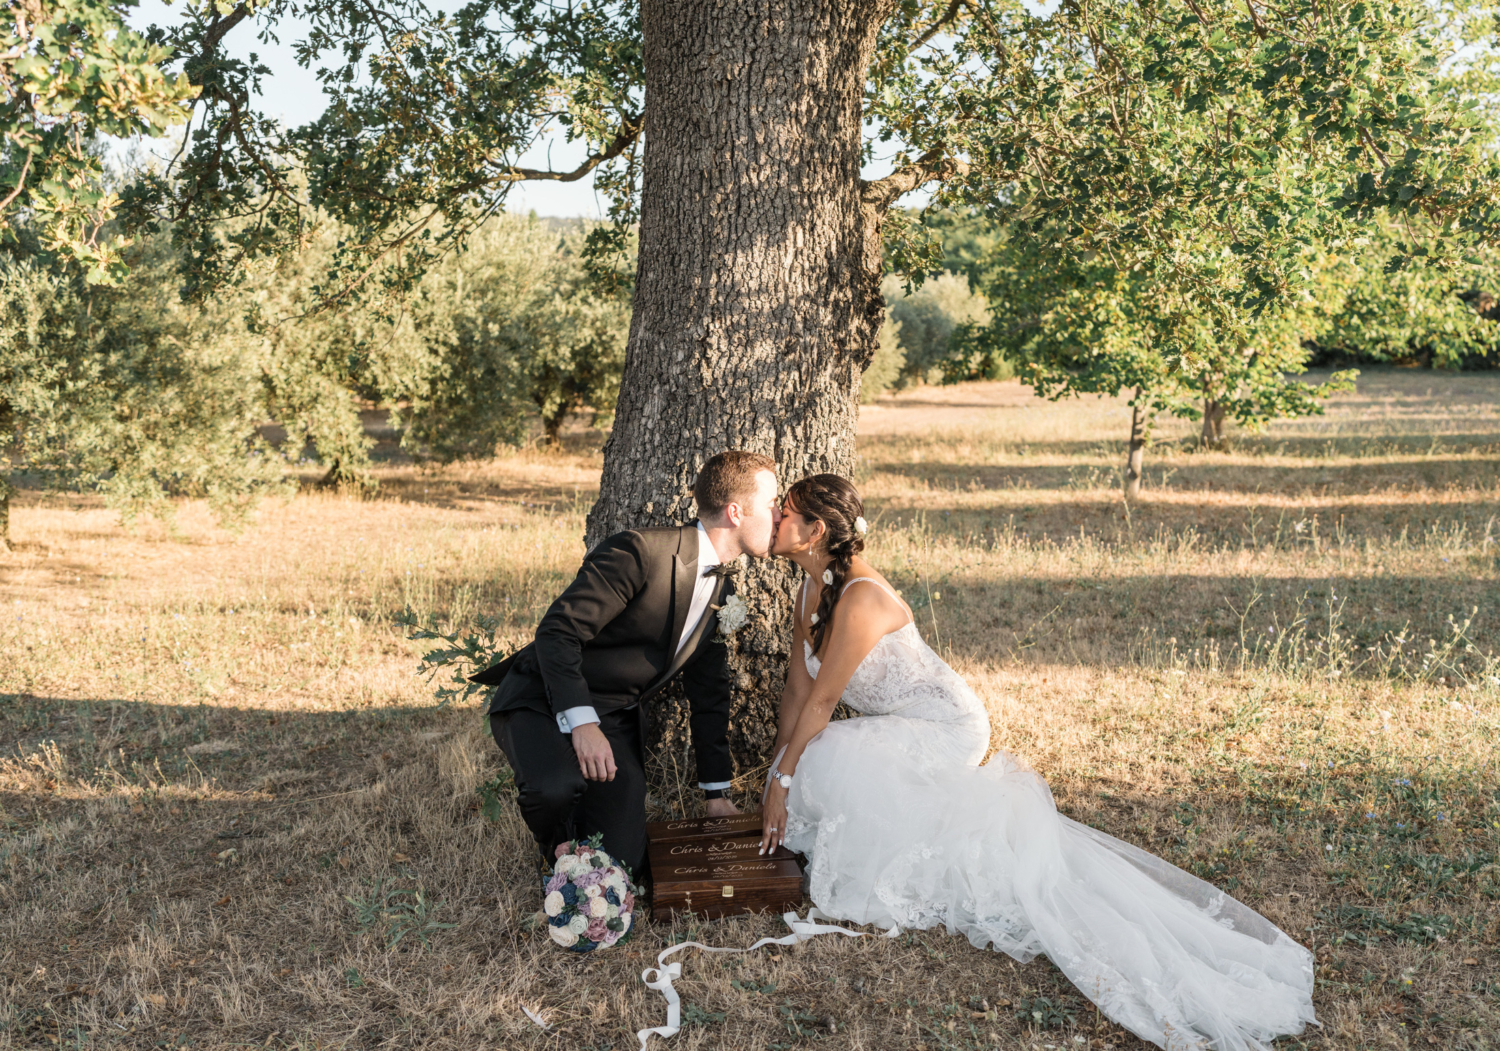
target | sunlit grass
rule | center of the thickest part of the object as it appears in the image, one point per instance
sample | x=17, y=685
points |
x=1278, y=670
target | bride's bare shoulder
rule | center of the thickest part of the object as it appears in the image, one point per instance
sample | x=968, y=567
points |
x=874, y=597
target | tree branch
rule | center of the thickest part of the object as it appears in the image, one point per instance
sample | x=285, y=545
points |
x=630, y=128
x=932, y=166
x=20, y=182
x=218, y=28
x=948, y=16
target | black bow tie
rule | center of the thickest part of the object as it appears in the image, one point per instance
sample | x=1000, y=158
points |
x=723, y=569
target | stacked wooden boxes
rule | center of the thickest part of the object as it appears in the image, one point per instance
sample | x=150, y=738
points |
x=713, y=867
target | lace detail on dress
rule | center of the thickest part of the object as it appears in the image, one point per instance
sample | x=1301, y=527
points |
x=900, y=825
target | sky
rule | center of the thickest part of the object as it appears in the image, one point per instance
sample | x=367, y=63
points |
x=294, y=96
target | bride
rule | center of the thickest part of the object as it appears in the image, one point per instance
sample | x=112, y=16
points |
x=901, y=825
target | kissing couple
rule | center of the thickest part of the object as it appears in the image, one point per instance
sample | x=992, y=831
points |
x=901, y=819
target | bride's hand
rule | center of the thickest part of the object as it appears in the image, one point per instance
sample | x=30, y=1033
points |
x=770, y=773
x=773, y=818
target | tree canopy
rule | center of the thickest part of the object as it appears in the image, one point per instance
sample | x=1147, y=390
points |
x=1204, y=144
x=70, y=70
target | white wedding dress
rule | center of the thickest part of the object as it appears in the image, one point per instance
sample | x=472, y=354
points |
x=900, y=824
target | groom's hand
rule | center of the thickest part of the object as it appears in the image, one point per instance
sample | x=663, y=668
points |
x=595, y=757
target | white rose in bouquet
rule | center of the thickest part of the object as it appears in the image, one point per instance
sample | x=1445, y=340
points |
x=564, y=936
x=554, y=903
x=578, y=924
x=598, y=908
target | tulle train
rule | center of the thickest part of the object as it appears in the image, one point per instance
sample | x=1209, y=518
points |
x=898, y=832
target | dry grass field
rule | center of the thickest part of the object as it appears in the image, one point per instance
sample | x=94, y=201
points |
x=230, y=815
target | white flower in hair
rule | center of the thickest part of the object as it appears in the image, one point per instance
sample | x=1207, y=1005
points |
x=828, y=576
x=861, y=526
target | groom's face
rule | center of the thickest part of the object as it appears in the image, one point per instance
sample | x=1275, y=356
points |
x=759, y=516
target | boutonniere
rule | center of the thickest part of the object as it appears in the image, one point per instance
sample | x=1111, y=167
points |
x=732, y=616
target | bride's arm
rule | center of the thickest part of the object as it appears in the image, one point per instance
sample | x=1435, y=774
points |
x=794, y=695
x=862, y=616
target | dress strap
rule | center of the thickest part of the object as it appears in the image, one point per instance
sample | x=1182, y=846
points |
x=850, y=583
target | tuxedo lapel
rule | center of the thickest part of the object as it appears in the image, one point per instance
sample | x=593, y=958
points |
x=705, y=624
x=684, y=576
x=690, y=645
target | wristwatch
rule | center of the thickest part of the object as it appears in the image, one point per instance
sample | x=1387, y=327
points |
x=784, y=780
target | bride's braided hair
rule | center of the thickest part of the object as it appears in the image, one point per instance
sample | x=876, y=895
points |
x=835, y=502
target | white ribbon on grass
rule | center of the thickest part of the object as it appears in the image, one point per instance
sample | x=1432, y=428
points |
x=802, y=930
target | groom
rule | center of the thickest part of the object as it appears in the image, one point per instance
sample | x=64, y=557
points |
x=568, y=710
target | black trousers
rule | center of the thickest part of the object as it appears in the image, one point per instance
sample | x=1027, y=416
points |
x=558, y=803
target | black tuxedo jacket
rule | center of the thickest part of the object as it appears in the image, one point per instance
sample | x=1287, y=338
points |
x=610, y=641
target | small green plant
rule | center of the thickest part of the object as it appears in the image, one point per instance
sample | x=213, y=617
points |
x=385, y=909
x=692, y=1014
x=1046, y=1013
x=801, y=1023
x=1364, y=926
x=493, y=793
x=461, y=655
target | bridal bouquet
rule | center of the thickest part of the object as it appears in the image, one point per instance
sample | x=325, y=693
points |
x=589, y=898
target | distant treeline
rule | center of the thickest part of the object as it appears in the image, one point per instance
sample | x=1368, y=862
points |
x=134, y=390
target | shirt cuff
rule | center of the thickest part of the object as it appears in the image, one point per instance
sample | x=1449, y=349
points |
x=573, y=718
x=714, y=786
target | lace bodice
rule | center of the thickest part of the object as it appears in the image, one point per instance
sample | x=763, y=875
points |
x=901, y=675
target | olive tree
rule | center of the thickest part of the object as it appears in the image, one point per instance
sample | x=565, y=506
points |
x=125, y=390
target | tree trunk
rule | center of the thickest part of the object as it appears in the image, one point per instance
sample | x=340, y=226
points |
x=5, y=491
x=1137, y=455
x=1213, y=424
x=757, y=302
x=552, y=428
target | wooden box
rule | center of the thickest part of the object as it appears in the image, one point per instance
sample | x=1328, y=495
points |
x=694, y=870
x=703, y=828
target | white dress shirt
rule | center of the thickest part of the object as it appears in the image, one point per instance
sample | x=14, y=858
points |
x=703, y=590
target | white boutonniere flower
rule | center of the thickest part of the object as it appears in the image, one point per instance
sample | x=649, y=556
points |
x=732, y=616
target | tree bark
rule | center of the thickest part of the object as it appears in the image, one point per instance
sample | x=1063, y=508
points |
x=1136, y=457
x=1213, y=424
x=757, y=302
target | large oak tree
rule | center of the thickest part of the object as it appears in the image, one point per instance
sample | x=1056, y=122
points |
x=1201, y=144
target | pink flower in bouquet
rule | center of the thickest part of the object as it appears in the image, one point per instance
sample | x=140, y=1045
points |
x=591, y=878
x=596, y=931
x=583, y=850
x=562, y=848
x=628, y=904
x=610, y=937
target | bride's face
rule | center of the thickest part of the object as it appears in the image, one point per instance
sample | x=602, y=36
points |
x=796, y=533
